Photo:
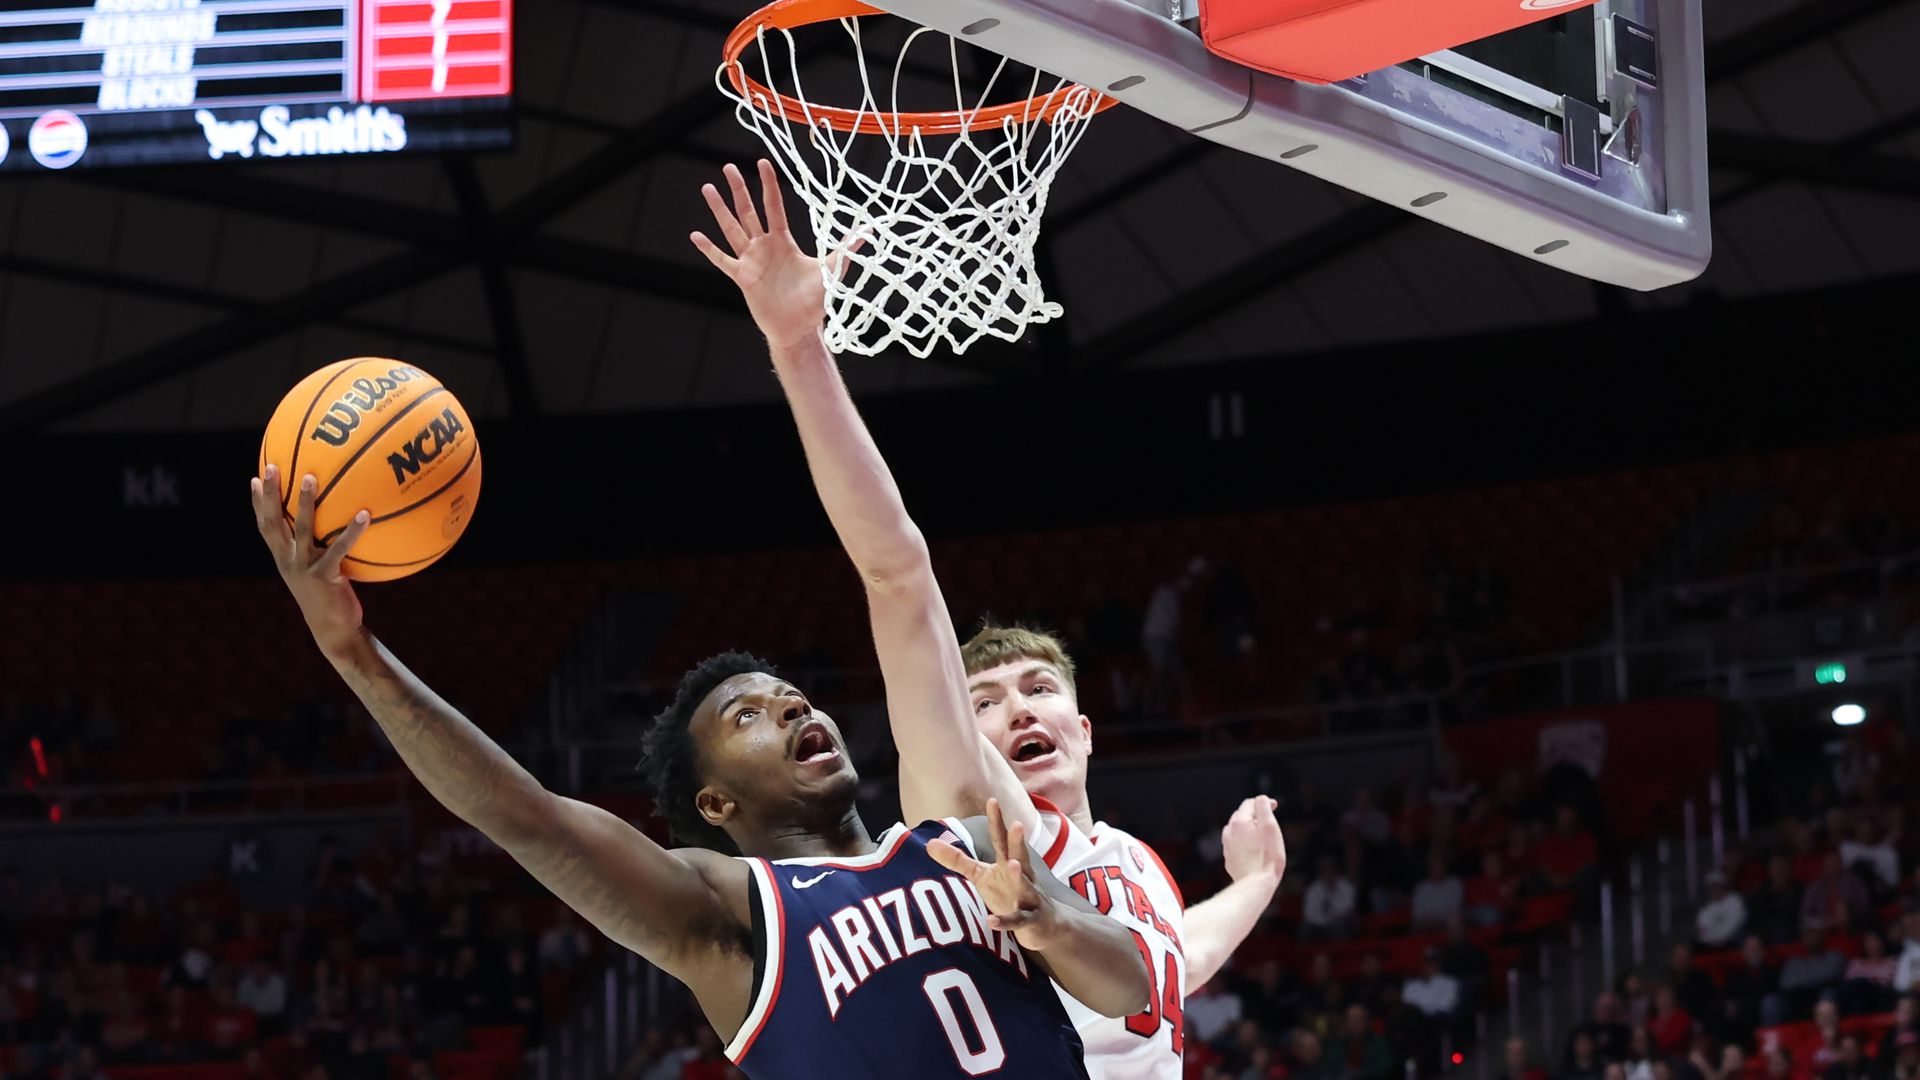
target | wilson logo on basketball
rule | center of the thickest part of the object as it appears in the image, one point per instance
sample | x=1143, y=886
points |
x=341, y=417
x=426, y=446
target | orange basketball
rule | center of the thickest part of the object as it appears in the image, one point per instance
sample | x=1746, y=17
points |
x=384, y=437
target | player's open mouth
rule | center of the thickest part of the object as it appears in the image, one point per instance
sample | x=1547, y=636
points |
x=1033, y=748
x=813, y=745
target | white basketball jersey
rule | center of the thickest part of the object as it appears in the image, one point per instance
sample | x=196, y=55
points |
x=1125, y=879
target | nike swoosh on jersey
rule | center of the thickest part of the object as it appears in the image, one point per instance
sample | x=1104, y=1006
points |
x=808, y=883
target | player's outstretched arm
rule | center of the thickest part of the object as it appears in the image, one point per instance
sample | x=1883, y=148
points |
x=942, y=771
x=1092, y=957
x=1256, y=856
x=648, y=899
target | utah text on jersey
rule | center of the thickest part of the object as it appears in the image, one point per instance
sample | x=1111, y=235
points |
x=1126, y=880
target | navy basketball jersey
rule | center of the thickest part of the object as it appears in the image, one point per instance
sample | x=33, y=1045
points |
x=883, y=966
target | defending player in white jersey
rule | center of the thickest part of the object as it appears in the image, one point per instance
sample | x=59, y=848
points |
x=1037, y=740
x=944, y=762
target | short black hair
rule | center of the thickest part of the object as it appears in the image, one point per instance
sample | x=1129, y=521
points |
x=671, y=763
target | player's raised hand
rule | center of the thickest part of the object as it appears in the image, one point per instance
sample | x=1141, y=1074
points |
x=1251, y=842
x=312, y=572
x=1014, y=902
x=782, y=284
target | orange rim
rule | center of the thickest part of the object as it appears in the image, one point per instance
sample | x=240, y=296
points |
x=791, y=14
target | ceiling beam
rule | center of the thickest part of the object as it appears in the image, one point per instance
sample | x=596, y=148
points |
x=1270, y=267
x=503, y=302
x=1815, y=163
x=114, y=281
x=239, y=330
x=1799, y=26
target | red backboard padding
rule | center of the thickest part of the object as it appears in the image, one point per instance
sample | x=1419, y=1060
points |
x=1325, y=41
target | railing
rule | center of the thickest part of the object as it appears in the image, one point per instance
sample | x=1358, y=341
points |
x=604, y=1029
x=322, y=794
x=1776, y=590
x=1604, y=673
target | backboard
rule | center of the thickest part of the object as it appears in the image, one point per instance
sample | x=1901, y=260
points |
x=1578, y=141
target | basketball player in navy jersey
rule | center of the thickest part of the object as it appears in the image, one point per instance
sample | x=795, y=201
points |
x=929, y=952
x=1018, y=734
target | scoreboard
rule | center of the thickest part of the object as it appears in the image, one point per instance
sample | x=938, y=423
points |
x=87, y=83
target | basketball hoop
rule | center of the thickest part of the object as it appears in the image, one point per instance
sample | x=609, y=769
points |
x=945, y=227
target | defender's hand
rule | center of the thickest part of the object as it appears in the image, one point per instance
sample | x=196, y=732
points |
x=783, y=285
x=1006, y=884
x=312, y=572
x=1251, y=843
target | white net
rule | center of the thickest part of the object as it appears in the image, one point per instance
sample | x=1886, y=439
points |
x=946, y=223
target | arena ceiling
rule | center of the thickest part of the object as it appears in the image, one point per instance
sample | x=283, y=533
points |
x=558, y=280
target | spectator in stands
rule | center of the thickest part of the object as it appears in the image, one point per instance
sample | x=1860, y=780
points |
x=1807, y=857
x=1903, y=1063
x=1719, y=922
x=1370, y=987
x=1868, y=986
x=1322, y=995
x=1826, y=1024
x=123, y=1033
x=516, y=997
x=1455, y=790
x=564, y=945
x=1692, y=986
x=1268, y=998
x=1605, y=1033
x=1211, y=1010
x=1327, y=910
x=1636, y=1000
x=1733, y=1063
x=1366, y=819
x=1835, y=899
x=1749, y=983
x=1670, y=1025
x=1391, y=869
x=1870, y=853
x=1566, y=856
x=1774, y=912
x=1906, y=1019
x=1489, y=898
x=1439, y=898
x=1518, y=1066
x=176, y=1038
x=383, y=931
x=228, y=1025
x=1465, y=961
x=1237, y=1054
x=1160, y=630
x=1852, y=1064
x=1804, y=979
x=1368, y=1056
x=1433, y=992
x=1639, y=1057
x=1906, y=975
x=1310, y=1061
x=194, y=966
x=1583, y=1063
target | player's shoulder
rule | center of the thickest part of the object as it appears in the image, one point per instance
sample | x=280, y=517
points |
x=1118, y=845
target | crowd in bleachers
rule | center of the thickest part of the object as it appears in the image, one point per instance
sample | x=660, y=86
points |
x=1804, y=958
x=392, y=967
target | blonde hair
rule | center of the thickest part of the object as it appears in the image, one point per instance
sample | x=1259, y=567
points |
x=996, y=645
